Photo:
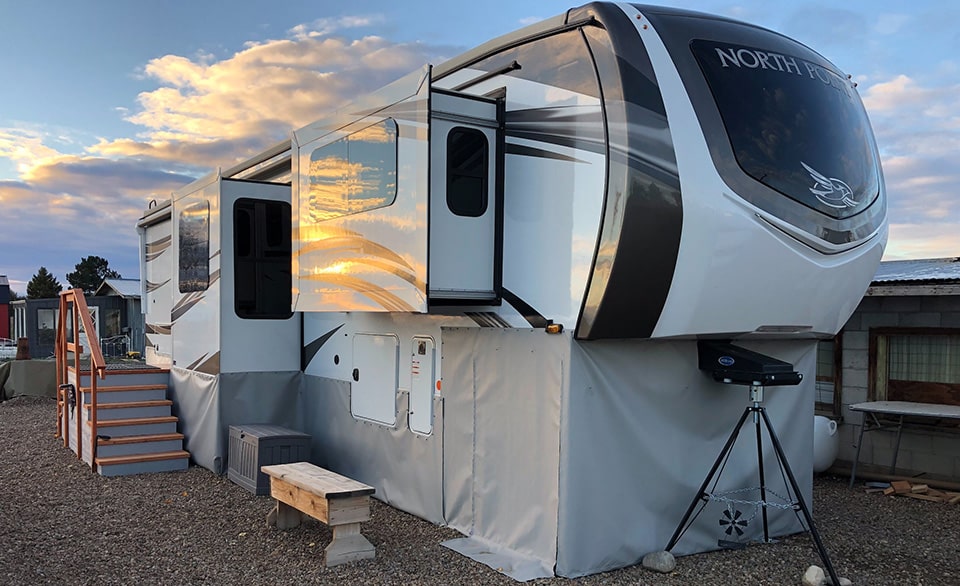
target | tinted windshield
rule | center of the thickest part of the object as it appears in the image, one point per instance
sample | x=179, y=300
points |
x=794, y=125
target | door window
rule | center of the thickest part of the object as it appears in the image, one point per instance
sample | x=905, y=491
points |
x=467, y=169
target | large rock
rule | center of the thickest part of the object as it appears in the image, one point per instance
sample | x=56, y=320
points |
x=660, y=561
x=814, y=576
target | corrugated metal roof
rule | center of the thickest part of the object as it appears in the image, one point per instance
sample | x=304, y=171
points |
x=928, y=269
x=123, y=287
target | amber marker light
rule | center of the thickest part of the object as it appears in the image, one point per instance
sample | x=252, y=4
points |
x=554, y=328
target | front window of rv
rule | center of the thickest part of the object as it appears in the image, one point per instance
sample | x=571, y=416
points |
x=356, y=173
x=194, y=258
x=794, y=125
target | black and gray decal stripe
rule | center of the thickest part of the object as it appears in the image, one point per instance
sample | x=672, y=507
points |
x=528, y=151
x=533, y=317
x=577, y=127
x=311, y=349
x=211, y=365
x=195, y=363
x=151, y=286
x=184, y=305
x=487, y=319
x=159, y=245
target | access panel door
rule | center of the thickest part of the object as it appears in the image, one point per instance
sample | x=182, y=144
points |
x=464, y=259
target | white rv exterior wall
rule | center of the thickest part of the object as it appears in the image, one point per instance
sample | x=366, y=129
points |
x=196, y=315
x=158, y=264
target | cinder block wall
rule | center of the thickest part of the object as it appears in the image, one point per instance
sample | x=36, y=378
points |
x=934, y=452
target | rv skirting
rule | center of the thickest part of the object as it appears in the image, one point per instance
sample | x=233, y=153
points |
x=404, y=467
x=569, y=457
x=207, y=405
x=642, y=427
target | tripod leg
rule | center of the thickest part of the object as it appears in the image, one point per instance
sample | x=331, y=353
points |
x=803, y=505
x=763, y=481
x=706, y=481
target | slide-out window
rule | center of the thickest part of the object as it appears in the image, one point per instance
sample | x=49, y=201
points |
x=262, y=258
x=356, y=173
x=194, y=261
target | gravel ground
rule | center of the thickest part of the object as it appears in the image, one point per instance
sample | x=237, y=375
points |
x=62, y=524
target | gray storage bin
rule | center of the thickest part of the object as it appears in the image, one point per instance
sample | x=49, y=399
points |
x=253, y=446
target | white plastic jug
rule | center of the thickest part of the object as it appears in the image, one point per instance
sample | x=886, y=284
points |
x=826, y=443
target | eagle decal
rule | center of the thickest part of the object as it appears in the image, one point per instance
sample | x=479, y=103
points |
x=830, y=191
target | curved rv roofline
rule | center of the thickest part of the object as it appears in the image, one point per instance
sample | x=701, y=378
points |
x=552, y=25
x=682, y=12
x=517, y=37
x=277, y=150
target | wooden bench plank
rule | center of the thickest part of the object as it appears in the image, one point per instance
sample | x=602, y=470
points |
x=332, y=512
x=340, y=502
x=321, y=482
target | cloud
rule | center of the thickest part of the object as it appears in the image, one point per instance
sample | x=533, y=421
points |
x=326, y=26
x=25, y=148
x=210, y=110
x=83, y=195
x=923, y=241
x=917, y=124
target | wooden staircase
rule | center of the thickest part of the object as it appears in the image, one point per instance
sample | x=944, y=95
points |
x=136, y=432
x=124, y=405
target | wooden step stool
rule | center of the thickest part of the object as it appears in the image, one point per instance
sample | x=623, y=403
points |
x=340, y=502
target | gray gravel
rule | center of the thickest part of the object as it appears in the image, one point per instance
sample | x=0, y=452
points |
x=62, y=524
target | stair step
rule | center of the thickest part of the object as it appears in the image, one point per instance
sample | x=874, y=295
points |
x=117, y=388
x=133, y=439
x=123, y=371
x=128, y=404
x=136, y=426
x=116, y=378
x=137, y=458
x=131, y=409
x=143, y=463
x=136, y=421
x=125, y=393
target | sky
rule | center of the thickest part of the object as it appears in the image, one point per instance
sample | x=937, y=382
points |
x=106, y=105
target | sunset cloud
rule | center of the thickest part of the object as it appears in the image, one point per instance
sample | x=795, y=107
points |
x=203, y=113
x=216, y=112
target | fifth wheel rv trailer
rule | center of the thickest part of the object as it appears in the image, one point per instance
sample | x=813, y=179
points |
x=481, y=289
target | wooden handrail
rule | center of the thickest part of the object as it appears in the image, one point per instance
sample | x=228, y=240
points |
x=98, y=366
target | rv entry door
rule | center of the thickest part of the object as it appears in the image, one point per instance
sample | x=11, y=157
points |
x=465, y=157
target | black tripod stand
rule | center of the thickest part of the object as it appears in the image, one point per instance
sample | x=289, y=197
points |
x=727, y=355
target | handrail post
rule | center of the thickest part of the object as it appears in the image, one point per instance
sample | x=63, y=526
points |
x=76, y=366
x=59, y=354
x=74, y=299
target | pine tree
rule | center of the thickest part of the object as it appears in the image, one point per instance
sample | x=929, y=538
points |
x=90, y=272
x=43, y=285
